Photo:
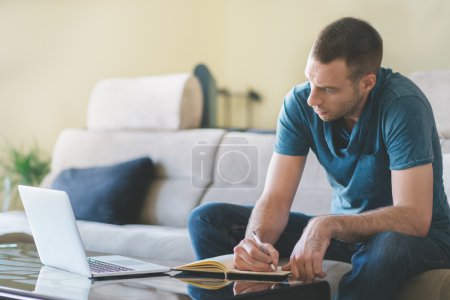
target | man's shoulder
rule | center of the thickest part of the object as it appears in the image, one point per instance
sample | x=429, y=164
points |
x=297, y=98
x=395, y=86
x=300, y=92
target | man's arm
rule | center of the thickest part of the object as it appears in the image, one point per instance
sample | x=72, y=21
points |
x=270, y=214
x=412, y=192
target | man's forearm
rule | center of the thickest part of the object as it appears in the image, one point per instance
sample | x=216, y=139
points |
x=268, y=219
x=271, y=212
x=359, y=227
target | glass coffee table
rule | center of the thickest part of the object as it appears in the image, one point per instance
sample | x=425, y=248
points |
x=22, y=276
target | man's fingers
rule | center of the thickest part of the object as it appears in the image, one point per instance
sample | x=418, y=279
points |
x=273, y=253
x=240, y=262
x=294, y=268
x=318, y=272
x=305, y=271
x=301, y=270
x=256, y=252
x=250, y=256
x=286, y=267
x=244, y=259
x=308, y=276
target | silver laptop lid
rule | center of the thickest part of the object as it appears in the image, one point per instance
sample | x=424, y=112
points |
x=54, y=229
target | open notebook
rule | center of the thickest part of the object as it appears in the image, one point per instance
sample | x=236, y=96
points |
x=224, y=264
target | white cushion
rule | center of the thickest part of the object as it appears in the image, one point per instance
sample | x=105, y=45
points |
x=445, y=145
x=167, y=102
x=150, y=241
x=436, y=86
x=446, y=174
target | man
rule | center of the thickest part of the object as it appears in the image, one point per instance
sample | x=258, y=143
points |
x=374, y=133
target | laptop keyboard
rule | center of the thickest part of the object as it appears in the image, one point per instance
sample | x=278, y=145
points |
x=103, y=267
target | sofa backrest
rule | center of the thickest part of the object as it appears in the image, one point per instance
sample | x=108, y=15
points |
x=436, y=86
x=240, y=172
x=178, y=186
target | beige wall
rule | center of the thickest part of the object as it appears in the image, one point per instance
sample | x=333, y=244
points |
x=267, y=41
x=52, y=52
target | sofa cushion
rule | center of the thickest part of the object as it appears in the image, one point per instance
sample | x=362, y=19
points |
x=445, y=145
x=109, y=194
x=13, y=222
x=167, y=102
x=446, y=174
x=436, y=86
x=434, y=284
x=149, y=241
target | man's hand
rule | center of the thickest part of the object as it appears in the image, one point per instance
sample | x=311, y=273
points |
x=244, y=287
x=307, y=257
x=249, y=257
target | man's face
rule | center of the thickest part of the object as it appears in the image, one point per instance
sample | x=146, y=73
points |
x=333, y=94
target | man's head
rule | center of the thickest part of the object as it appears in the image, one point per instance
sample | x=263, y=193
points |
x=353, y=40
x=342, y=67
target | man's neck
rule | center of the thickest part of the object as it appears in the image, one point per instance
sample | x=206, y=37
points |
x=351, y=120
x=350, y=123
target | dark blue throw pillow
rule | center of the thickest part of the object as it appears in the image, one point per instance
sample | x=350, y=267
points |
x=110, y=194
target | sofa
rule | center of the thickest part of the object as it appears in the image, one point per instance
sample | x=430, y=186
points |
x=195, y=166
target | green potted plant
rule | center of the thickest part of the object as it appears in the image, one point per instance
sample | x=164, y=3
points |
x=21, y=166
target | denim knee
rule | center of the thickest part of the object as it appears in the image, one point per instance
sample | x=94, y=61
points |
x=215, y=228
x=387, y=250
x=384, y=244
x=210, y=211
x=391, y=244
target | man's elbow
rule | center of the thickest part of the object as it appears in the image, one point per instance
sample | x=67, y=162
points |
x=423, y=225
x=423, y=232
x=421, y=219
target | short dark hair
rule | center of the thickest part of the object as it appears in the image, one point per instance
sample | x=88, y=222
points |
x=353, y=40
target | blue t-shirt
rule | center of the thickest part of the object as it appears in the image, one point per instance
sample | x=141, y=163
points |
x=395, y=131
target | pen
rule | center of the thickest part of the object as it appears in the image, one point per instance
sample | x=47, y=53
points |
x=259, y=243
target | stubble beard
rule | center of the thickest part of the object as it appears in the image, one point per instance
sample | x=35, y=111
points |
x=347, y=109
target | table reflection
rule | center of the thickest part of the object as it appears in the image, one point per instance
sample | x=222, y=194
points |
x=204, y=288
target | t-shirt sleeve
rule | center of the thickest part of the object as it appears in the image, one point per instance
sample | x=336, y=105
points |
x=292, y=133
x=408, y=133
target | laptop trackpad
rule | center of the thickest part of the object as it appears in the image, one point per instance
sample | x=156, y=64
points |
x=129, y=262
x=122, y=261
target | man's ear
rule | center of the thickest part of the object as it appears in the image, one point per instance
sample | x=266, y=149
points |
x=367, y=82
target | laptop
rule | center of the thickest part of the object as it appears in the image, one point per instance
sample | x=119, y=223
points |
x=58, y=240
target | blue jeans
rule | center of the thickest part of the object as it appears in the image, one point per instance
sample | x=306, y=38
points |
x=380, y=265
